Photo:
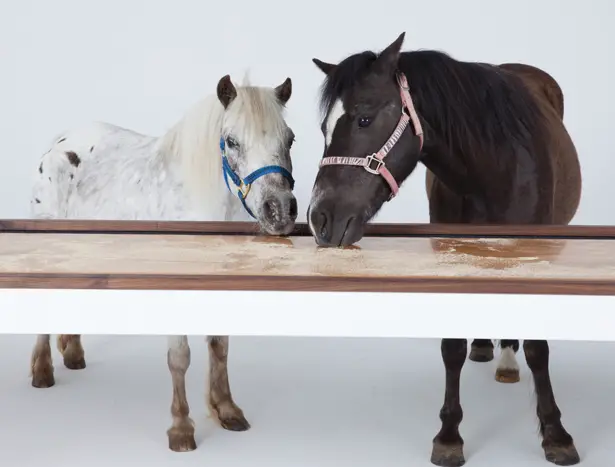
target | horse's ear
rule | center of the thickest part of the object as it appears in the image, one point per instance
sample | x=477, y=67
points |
x=226, y=91
x=284, y=91
x=388, y=58
x=325, y=67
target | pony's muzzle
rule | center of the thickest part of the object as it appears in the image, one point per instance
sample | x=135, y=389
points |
x=331, y=230
x=279, y=213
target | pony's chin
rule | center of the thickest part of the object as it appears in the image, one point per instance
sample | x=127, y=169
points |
x=278, y=230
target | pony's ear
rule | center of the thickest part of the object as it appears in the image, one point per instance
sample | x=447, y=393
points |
x=325, y=67
x=284, y=91
x=388, y=58
x=226, y=91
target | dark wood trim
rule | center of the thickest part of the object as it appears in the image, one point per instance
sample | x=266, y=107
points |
x=589, y=232
x=128, y=227
x=308, y=284
x=596, y=232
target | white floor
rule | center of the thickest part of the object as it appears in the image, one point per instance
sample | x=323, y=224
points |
x=311, y=402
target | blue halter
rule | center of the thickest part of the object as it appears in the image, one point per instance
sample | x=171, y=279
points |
x=243, y=186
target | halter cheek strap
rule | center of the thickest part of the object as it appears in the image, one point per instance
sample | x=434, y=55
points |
x=374, y=163
x=243, y=185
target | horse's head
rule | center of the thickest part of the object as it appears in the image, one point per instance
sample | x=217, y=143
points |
x=373, y=139
x=255, y=146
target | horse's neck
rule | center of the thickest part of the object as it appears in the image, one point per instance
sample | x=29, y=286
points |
x=191, y=151
x=448, y=167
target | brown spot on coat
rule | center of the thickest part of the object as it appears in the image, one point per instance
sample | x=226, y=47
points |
x=73, y=158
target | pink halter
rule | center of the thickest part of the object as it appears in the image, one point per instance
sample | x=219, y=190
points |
x=374, y=163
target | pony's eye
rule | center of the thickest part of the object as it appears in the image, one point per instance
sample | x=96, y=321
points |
x=232, y=144
x=364, y=122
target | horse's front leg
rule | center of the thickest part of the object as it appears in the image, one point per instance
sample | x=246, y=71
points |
x=41, y=363
x=181, y=433
x=219, y=399
x=448, y=444
x=557, y=443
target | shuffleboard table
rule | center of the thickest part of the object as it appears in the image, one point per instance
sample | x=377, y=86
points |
x=400, y=280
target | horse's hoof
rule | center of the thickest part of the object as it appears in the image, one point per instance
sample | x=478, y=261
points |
x=235, y=423
x=228, y=415
x=43, y=379
x=481, y=354
x=507, y=375
x=181, y=440
x=562, y=455
x=78, y=364
x=447, y=455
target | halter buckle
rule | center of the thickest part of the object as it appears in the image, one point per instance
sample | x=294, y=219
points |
x=244, y=189
x=368, y=164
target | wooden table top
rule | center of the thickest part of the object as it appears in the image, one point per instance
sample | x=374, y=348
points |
x=252, y=262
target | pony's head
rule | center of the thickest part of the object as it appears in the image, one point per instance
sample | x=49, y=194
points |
x=255, y=147
x=373, y=140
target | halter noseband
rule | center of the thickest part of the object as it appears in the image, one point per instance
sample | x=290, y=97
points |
x=244, y=185
x=374, y=163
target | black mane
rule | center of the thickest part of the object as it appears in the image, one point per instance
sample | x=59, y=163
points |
x=469, y=105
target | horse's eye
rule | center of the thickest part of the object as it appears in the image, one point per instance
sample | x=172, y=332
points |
x=232, y=144
x=364, y=122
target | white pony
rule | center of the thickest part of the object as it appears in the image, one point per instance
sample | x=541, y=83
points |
x=236, y=137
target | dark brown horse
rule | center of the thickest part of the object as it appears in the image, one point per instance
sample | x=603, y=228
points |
x=496, y=150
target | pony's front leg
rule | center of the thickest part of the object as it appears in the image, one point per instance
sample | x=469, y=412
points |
x=557, y=443
x=448, y=444
x=41, y=363
x=219, y=399
x=181, y=433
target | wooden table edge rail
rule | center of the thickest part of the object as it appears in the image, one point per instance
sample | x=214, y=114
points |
x=301, y=229
x=283, y=283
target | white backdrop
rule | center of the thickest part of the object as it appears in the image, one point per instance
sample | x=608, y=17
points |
x=142, y=63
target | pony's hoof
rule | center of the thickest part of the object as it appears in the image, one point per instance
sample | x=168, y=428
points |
x=43, y=379
x=181, y=440
x=481, y=354
x=229, y=416
x=507, y=375
x=77, y=364
x=235, y=423
x=447, y=455
x=562, y=455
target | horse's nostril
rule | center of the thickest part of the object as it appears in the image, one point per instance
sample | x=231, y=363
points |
x=273, y=210
x=292, y=211
x=323, y=227
x=268, y=208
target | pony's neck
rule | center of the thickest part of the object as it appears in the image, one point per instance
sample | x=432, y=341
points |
x=191, y=150
x=447, y=166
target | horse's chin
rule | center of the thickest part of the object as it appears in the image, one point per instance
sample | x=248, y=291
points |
x=277, y=230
